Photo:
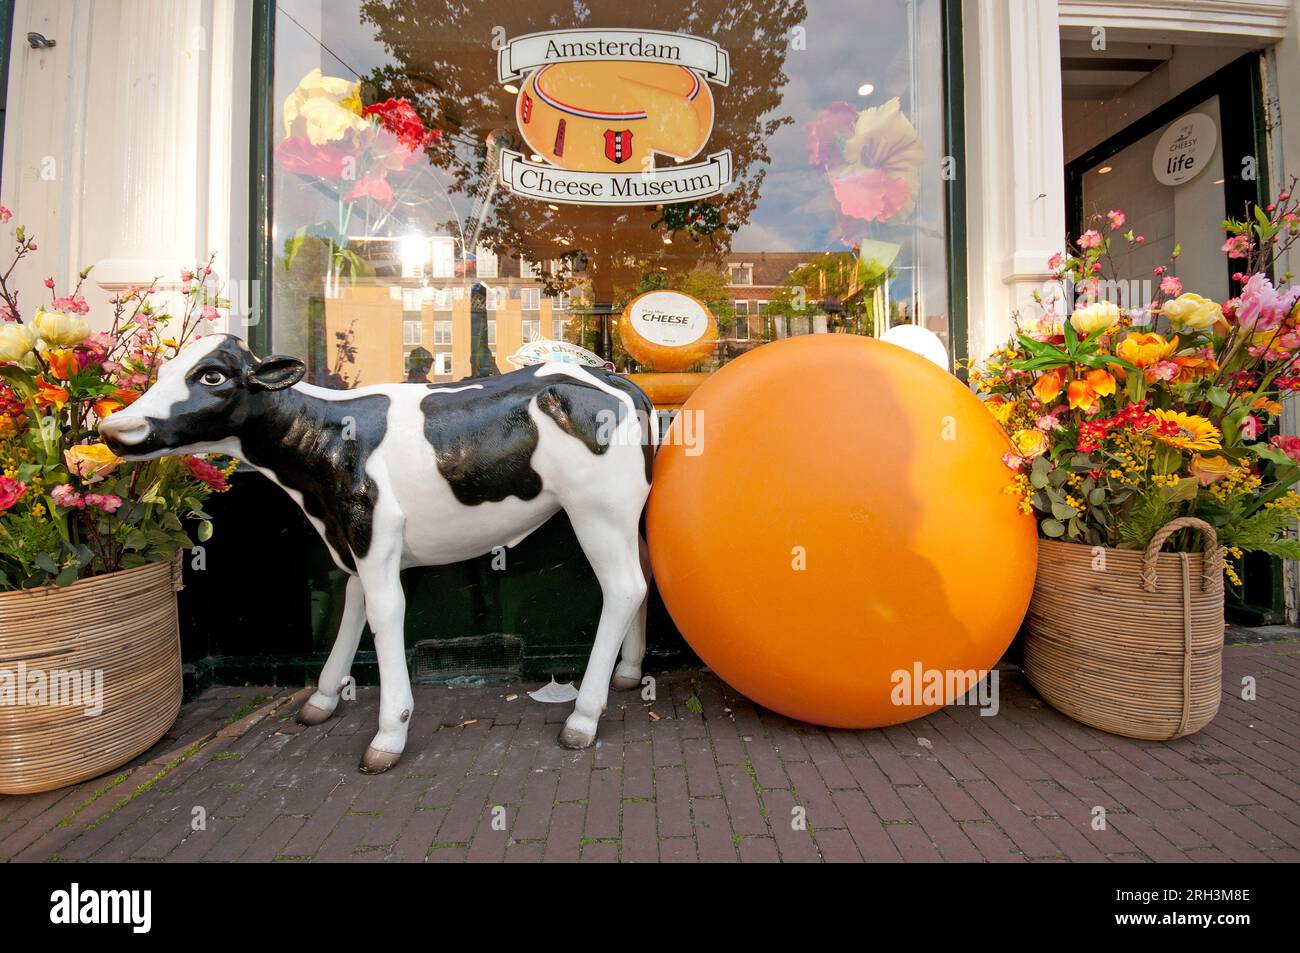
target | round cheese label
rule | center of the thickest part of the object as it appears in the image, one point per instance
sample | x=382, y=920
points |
x=669, y=318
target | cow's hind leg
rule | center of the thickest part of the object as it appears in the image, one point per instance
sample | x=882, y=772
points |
x=610, y=542
x=627, y=674
x=386, y=612
x=323, y=703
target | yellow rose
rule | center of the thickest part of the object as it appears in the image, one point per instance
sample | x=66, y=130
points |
x=16, y=340
x=1030, y=443
x=1209, y=470
x=60, y=329
x=1192, y=311
x=1095, y=317
x=323, y=109
x=91, y=461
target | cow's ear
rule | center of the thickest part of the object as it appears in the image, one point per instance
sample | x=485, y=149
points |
x=275, y=373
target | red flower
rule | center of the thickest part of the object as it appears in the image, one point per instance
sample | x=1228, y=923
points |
x=399, y=118
x=297, y=154
x=373, y=185
x=10, y=492
x=205, y=472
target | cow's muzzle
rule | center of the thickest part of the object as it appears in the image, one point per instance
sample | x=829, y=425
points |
x=124, y=430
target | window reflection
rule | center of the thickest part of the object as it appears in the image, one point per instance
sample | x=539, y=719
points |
x=388, y=207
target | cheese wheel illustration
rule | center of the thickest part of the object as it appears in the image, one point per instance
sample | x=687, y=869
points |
x=668, y=330
x=612, y=116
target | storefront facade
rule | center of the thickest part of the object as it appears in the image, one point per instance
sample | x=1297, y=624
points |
x=818, y=166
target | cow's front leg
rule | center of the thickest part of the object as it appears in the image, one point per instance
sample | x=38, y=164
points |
x=627, y=674
x=386, y=611
x=611, y=548
x=326, y=697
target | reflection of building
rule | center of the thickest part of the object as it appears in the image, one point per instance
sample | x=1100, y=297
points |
x=416, y=309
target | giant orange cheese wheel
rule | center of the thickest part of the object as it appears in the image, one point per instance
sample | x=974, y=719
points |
x=827, y=512
x=668, y=330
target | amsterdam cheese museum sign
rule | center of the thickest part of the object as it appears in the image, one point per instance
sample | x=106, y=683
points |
x=596, y=106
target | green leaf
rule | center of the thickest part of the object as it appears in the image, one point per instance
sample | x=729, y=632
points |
x=1097, y=496
x=204, y=532
x=1052, y=528
x=1219, y=397
x=67, y=577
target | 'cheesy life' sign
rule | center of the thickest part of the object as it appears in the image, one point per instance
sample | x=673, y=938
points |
x=596, y=106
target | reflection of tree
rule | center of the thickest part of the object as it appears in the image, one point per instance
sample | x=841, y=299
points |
x=838, y=284
x=445, y=64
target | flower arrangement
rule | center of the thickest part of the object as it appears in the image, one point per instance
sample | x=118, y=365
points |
x=69, y=507
x=348, y=151
x=1125, y=416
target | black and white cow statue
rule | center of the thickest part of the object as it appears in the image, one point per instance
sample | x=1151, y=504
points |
x=398, y=475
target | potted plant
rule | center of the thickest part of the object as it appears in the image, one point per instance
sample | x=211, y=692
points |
x=1139, y=429
x=90, y=546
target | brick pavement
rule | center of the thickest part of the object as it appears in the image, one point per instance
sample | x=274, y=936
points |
x=697, y=774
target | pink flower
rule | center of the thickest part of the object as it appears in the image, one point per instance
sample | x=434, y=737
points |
x=64, y=495
x=1250, y=428
x=31, y=246
x=5, y=215
x=106, y=502
x=827, y=132
x=872, y=194
x=1090, y=239
x=1117, y=219
x=1056, y=261
x=49, y=283
x=186, y=275
x=205, y=472
x=1288, y=445
x=10, y=489
x=1013, y=461
x=1261, y=307
x=372, y=185
x=1238, y=246
x=1162, y=371
x=1047, y=423
x=1171, y=286
x=210, y=313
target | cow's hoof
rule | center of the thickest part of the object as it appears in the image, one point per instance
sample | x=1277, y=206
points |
x=310, y=714
x=624, y=683
x=579, y=732
x=375, y=761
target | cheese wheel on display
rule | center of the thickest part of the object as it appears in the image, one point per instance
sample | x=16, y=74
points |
x=610, y=116
x=668, y=390
x=668, y=330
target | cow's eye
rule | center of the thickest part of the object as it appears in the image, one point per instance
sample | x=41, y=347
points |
x=213, y=378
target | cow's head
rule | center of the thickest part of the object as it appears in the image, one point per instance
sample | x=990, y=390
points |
x=202, y=398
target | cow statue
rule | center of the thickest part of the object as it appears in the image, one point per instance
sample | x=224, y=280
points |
x=398, y=475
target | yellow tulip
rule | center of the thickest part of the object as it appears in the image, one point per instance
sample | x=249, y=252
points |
x=1144, y=350
x=1047, y=387
x=91, y=461
x=323, y=109
x=1095, y=317
x=1192, y=311
x=60, y=329
x=16, y=340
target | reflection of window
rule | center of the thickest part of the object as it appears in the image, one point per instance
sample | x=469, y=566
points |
x=560, y=302
x=557, y=329
x=741, y=274
x=492, y=331
x=529, y=269
x=742, y=307
x=441, y=299
x=760, y=307
x=442, y=363
x=411, y=331
x=444, y=257
x=741, y=326
x=532, y=330
x=497, y=298
x=530, y=299
x=487, y=262
x=412, y=298
x=442, y=332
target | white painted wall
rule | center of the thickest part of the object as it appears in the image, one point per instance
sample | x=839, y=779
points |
x=126, y=145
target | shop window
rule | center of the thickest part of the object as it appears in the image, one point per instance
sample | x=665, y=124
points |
x=806, y=164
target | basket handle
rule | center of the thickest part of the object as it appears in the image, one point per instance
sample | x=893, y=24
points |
x=1209, y=564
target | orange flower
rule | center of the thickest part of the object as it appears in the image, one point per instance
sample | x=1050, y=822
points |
x=116, y=401
x=1101, y=382
x=1047, y=387
x=63, y=362
x=50, y=395
x=1144, y=350
x=1082, y=396
x=1190, y=368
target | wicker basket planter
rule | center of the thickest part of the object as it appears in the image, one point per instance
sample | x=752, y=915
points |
x=1133, y=646
x=124, y=625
